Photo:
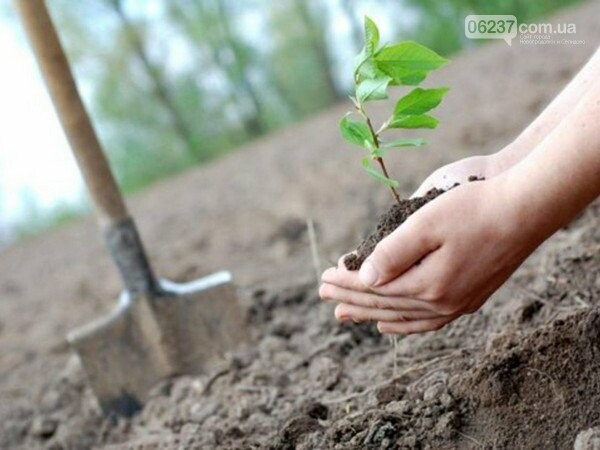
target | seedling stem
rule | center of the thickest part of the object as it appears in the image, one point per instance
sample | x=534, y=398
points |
x=376, y=69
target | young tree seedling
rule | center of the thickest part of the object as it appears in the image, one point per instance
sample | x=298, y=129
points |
x=376, y=69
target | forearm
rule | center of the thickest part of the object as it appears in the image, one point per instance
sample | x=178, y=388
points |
x=551, y=117
x=562, y=175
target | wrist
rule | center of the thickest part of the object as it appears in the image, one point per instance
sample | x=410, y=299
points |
x=508, y=157
x=530, y=208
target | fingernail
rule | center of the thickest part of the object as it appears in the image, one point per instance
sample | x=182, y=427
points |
x=368, y=274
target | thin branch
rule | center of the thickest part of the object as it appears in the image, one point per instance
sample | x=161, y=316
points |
x=314, y=249
x=156, y=77
x=379, y=159
x=214, y=377
x=472, y=439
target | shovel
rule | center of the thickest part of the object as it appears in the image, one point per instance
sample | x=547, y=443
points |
x=159, y=328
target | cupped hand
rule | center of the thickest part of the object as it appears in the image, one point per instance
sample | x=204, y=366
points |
x=444, y=261
x=482, y=166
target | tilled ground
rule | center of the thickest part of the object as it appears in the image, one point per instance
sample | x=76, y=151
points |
x=524, y=372
x=521, y=373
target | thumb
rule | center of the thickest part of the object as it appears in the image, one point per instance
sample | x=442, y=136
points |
x=397, y=253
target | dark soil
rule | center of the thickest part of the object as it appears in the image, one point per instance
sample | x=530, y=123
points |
x=534, y=389
x=523, y=393
x=389, y=221
x=303, y=380
x=524, y=372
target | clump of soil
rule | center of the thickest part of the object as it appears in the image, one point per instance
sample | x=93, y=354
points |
x=547, y=380
x=390, y=220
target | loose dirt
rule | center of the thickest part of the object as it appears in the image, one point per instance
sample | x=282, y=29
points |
x=520, y=373
x=388, y=222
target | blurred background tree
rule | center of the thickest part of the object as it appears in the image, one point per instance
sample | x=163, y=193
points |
x=177, y=82
x=174, y=83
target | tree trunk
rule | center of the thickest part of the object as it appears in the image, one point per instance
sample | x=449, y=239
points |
x=317, y=41
x=160, y=87
x=254, y=123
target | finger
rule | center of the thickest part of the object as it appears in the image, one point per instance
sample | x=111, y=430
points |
x=413, y=283
x=340, y=262
x=414, y=326
x=344, y=278
x=344, y=312
x=397, y=252
x=420, y=280
x=371, y=300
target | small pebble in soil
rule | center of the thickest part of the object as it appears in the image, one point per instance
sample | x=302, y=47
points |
x=446, y=425
x=588, y=440
x=399, y=407
x=379, y=432
x=434, y=392
x=43, y=427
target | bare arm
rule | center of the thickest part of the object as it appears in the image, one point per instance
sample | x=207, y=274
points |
x=489, y=166
x=464, y=261
x=562, y=175
x=552, y=115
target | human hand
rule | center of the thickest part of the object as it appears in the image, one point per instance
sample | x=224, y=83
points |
x=445, y=177
x=444, y=261
x=481, y=166
x=454, y=252
x=529, y=139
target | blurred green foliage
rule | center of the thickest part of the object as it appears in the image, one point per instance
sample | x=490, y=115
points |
x=177, y=82
x=174, y=83
x=440, y=24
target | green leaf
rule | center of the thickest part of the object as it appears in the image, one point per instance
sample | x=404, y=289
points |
x=375, y=152
x=364, y=65
x=367, y=70
x=411, y=78
x=371, y=36
x=361, y=59
x=355, y=132
x=375, y=89
x=419, y=101
x=408, y=62
x=404, y=143
x=420, y=121
x=410, y=109
x=411, y=56
x=366, y=162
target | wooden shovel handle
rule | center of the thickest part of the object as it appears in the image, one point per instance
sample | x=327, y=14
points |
x=75, y=121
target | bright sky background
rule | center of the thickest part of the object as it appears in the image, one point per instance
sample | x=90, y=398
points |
x=35, y=161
